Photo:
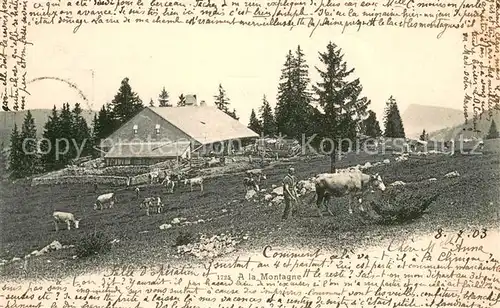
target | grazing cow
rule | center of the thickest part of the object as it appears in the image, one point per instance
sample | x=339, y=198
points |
x=154, y=177
x=108, y=198
x=152, y=202
x=250, y=183
x=194, y=181
x=341, y=184
x=169, y=184
x=256, y=173
x=213, y=162
x=65, y=217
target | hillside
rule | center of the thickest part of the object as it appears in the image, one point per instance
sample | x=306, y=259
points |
x=7, y=120
x=453, y=131
x=431, y=118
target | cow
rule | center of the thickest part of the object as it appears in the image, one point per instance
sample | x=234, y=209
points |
x=213, y=162
x=137, y=193
x=257, y=175
x=250, y=183
x=194, y=181
x=65, y=217
x=354, y=184
x=154, y=177
x=108, y=198
x=151, y=202
x=169, y=184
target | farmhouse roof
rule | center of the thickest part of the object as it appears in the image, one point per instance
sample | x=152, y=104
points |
x=153, y=149
x=205, y=124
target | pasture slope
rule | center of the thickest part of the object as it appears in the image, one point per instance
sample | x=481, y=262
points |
x=469, y=200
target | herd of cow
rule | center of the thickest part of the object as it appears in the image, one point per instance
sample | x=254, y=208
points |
x=150, y=204
x=349, y=182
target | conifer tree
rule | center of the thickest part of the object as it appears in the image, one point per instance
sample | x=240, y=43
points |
x=182, y=101
x=303, y=115
x=371, y=126
x=254, y=123
x=285, y=98
x=66, y=150
x=163, y=99
x=222, y=102
x=392, y=120
x=294, y=114
x=15, y=155
x=81, y=134
x=30, y=158
x=340, y=98
x=423, y=136
x=126, y=104
x=50, y=134
x=493, y=132
x=268, y=122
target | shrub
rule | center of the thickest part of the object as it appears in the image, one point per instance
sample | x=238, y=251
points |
x=93, y=244
x=184, y=238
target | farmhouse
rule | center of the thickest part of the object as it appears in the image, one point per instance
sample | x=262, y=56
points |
x=157, y=134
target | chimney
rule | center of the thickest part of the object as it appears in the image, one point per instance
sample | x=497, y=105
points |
x=191, y=100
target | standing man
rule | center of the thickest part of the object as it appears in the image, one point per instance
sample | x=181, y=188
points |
x=289, y=193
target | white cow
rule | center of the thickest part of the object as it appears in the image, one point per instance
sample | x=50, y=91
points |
x=152, y=202
x=108, y=198
x=154, y=177
x=65, y=217
x=194, y=181
x=169, y=184
x=354, y=184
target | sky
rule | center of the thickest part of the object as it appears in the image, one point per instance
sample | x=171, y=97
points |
x=412, y=65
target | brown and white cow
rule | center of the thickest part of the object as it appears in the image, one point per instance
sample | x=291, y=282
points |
x=353, y=184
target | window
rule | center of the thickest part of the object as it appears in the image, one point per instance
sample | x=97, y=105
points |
x=157, y=129
x=135, y=129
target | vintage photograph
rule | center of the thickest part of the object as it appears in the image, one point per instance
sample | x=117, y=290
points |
x=165, y=144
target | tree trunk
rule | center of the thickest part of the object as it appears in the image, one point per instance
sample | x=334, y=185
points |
x=332, y=159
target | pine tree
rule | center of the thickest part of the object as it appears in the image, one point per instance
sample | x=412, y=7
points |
x=81, y=134
x=163, y=99
x=254, y=123
x=423, y=136
x=28, y=141
x=340, y=99
x=233, y=114
x=51, y=133
x=303, y=115
x=126, y=104
x=371, y=126
x=151, y=103
x=268, y=122
x=493, y=132
x=222, y=102
x=392, y=120
x=182, y=101
x=66, y=150
x=285, y=98
x=15, y=155
x=103, y=124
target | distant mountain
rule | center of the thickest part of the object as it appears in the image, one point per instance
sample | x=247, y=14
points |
x=7, y=120
x=431, y=118
x=483, y=126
